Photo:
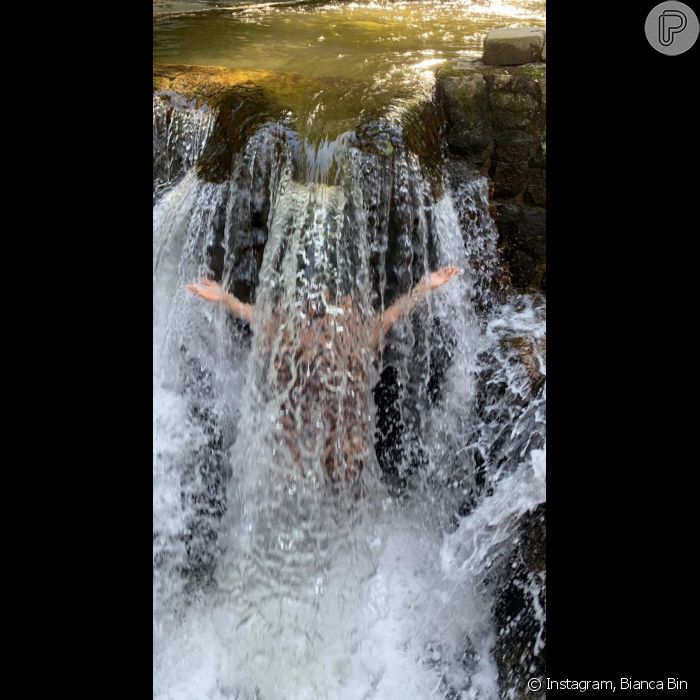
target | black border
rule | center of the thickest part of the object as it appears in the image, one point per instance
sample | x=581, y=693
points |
x=622, y=160
x=86, y=510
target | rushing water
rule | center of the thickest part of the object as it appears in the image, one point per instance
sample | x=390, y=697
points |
x=271, y=580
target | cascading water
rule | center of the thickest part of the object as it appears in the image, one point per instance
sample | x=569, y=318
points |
x=180, y=132
x=338, y=528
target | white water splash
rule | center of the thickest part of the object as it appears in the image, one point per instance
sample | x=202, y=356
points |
x=313, y=601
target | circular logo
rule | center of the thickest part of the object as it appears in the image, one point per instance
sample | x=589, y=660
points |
x=672, y=28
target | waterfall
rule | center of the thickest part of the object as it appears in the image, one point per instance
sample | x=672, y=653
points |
x=332, y=528
x=180, y=132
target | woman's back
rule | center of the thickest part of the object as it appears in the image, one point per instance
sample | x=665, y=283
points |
x=321, y=369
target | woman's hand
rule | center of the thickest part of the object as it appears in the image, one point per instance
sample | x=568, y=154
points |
x=213, y=291
x=209, y=290
x=443, y=276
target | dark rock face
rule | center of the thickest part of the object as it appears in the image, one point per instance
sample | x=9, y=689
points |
x=243, y=110
x=495, y=121
x=519, y=611
x=522, y=230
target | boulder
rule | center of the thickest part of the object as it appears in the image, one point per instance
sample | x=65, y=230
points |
x=513, y=47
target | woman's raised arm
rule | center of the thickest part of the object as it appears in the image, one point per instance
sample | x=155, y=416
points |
x=213, y=291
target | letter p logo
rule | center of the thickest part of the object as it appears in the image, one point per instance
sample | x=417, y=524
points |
x=672, y=27
x=671, y=22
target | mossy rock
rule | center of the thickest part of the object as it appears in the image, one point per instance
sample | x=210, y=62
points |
x=242, y=110
x=245, y=100
x=467, y=109
x=208, y=84
x=495, y=119
x=482, y=100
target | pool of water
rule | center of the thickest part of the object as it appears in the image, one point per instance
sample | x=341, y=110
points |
x=350, y=58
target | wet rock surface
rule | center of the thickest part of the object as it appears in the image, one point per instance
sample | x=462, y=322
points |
x=522, y=231
x=520, y=610
x=495, y=122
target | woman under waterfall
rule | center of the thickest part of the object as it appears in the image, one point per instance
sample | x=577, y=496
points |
x=321, y=366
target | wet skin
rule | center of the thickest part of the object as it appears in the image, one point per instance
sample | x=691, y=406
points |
x=322, y=367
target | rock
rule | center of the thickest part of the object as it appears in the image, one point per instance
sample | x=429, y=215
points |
x=421, y=126
x=544, y=51
x=522, y=236
x=528, y=349
x=465, y=97
x=245, y=99
x=495, y=122
x=513, y=153
x=242, y=110
x=204, y=83
x=519, y=650
x=536, y=190
x=513, y=47
x=292, y=92
x=481, y=101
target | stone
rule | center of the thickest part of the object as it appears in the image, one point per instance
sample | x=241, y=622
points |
x=513, y=47
x=468, y=113
x=536, y=191
x=521, y=596
x=528, y=350
x=481, y=102
x=544, y=51
x=513, y=152
x=204, y=83
x=495, y=122
x=522, y=233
